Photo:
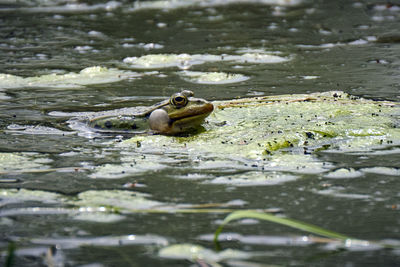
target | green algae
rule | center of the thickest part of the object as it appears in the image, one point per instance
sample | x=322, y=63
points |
x=100, y=217
x=343, y=173
x=130, y=165
x=99, y=206
x=254, y=178
x=257, y=127
x=212, y=77
x=103, y=206
x=21, y=195
x=185, y=61
x=253, y=140
x=382, y=171
x=14, y=162
x=282, y=133
x=278, y=220
x=115, y=199
x=87, y=76
x=195, y=253
x=171, y=5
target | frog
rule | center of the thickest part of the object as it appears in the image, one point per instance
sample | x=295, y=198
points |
x=179, y=114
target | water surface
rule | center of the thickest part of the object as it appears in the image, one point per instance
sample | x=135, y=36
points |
x=312, y=46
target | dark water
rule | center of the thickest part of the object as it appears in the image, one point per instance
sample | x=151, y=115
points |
x=351, y=46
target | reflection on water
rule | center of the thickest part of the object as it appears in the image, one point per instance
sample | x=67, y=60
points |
x=63, y=59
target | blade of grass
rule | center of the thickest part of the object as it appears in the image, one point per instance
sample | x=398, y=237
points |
x=279, y=220
x=10, y=254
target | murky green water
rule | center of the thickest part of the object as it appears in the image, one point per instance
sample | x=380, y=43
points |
x=51, y=193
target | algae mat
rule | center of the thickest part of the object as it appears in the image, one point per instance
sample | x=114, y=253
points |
x=277, y=135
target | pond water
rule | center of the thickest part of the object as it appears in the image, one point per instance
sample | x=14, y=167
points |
x=71, y=197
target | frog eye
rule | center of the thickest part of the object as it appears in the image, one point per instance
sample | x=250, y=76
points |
x=178, y=100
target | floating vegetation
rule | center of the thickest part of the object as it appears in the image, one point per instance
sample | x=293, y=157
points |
x=87, y=76
x=340, y=192
x=281, y=134
x=185, y=61
x=212, y=77
x=21, y=195
x=382, y=171
x=112, y=241
x=15, y=162
x=252, y=178
x=115, y=199
x=90, y=198
x=108, y=206
x=131, y=165
x=358, y=42
x=3, y=96
x=168, y=5
x=343, y=173
x=37, y=129
x=69, y=7
x=197, y=253
x=100, y=205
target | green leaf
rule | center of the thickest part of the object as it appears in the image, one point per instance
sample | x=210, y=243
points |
x=10, y=254
x=279, y=220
